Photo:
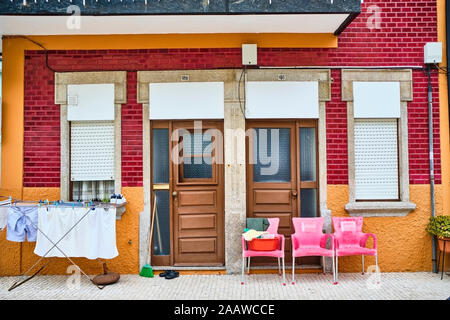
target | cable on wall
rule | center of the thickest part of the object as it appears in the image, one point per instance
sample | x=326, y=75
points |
x=244, y=72
x=39, y=45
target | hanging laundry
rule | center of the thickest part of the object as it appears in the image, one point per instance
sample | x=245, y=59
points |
x=92, y=237
x=3, y=217
x=22, y=222
x=4, y=213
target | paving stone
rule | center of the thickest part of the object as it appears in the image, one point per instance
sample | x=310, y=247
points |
x=393, y=286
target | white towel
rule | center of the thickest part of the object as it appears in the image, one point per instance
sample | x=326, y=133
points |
x=3, y=216
x=93, y=237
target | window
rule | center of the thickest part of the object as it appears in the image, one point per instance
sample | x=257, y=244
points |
x=378, y=141
x=160, y=181
x=90, y=131
x=376, y=109
x=308, y=172
x=272, y=155
x=92, y=160
x=197, y=156
x=376, y=159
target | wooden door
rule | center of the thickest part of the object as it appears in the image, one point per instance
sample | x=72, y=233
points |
x=277, y=185
x=189, y=224
x=198, y=194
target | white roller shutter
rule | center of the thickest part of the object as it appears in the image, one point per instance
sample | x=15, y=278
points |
x=186, y=100
x=90, y=102
x=375, y=100
x=92, y=151
x=376, y=159
x=282, y=99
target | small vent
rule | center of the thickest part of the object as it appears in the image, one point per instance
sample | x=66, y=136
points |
x=185, y=77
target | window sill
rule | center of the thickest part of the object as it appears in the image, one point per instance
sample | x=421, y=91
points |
x=120, y=210
x=380, y=209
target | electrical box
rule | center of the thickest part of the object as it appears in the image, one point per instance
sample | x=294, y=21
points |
x=433, y=52
x=249, y=54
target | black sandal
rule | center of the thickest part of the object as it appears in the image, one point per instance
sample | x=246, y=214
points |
x=172, y=275
x=165, y=273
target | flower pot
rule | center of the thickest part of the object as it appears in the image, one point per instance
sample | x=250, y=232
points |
x=447, y=244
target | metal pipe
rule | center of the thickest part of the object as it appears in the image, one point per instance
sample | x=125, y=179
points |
x=431, y=153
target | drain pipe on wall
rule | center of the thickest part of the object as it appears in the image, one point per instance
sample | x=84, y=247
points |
x=431, y=148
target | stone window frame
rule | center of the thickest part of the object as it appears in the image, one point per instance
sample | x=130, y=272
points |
x=62, y=80
x=379, y=208
x=235, y=172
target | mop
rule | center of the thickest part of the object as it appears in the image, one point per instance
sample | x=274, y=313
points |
x=147, y=270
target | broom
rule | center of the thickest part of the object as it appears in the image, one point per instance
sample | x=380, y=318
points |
x=147, y=270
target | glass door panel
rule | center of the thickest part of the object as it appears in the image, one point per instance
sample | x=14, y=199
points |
x=272, y=152
x=308, y=172
x=160, y=183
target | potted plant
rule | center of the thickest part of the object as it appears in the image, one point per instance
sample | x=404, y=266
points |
x=440, y=227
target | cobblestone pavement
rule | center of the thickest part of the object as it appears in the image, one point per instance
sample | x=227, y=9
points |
x=393, y=286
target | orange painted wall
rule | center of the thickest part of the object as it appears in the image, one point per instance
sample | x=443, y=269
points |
x=403, y=242
x=16, y=258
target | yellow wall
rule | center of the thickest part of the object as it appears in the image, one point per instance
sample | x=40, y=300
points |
x=16, y=258
x=403, y=243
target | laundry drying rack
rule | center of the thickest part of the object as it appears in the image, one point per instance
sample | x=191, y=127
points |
x=24, y=277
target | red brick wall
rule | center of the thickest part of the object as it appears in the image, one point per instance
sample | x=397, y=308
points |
x=406, y=26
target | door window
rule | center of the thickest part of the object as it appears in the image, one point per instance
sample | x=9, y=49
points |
x=160, y=178
x=197, y=156
x=272, y=154
x=308, y=171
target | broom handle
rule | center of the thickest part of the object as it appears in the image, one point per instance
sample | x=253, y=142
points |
x=151, y=231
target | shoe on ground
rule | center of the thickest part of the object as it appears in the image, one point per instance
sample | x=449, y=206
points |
x=165, y=273
x=172, y=275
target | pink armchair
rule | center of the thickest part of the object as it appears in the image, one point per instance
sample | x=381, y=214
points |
x=278, y=253
x=309, y=240
x=350, y=240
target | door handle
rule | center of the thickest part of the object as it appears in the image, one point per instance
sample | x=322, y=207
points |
x=294, y=194
x=174, y=194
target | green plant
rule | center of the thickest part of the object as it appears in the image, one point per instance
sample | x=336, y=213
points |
x=439, y=226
